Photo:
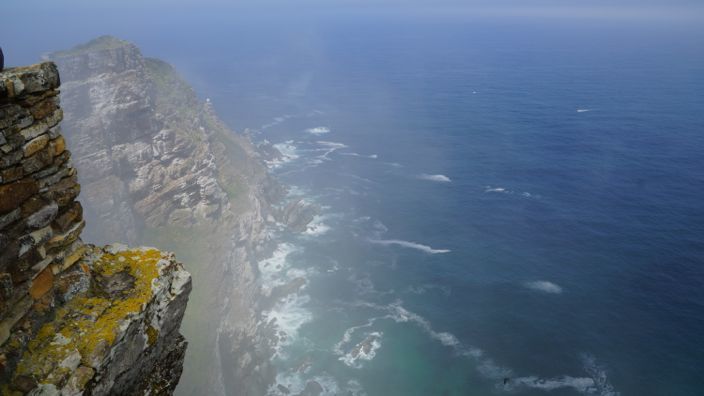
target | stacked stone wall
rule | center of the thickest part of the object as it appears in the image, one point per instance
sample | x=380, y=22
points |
x=40, y=220
x=74, y=318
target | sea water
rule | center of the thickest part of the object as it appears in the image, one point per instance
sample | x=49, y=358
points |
x=508, y=206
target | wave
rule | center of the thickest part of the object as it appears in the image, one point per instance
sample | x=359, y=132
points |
x=288, y=151
x=317, y=227
x=321, y=130
x=423, y=289
x=336, y=145
x=435, y=178
x=544, y=286
x=502, y=190
x=273, y=270
x=595, y=383
x=288, y=315
x=364, y=350
x=277, y=121
x=371, y=156
x=296, y=383
x=410, y=245
x=490, y=189
x=583, y=110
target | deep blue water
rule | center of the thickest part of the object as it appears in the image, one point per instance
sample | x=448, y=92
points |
x=573, y=216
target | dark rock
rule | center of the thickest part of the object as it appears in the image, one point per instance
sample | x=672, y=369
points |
x=13, y=195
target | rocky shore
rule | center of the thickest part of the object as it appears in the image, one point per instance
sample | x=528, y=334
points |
x=158, y=165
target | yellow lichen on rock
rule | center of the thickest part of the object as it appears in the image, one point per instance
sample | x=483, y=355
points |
x=90, y=325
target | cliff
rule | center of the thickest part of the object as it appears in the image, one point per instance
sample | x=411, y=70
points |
x=74, y=318
x=157, y=164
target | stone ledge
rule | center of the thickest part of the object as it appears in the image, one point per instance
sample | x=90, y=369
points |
x=16, y=82
x=122, y=311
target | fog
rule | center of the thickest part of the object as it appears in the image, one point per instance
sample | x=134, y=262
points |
x=383, y=197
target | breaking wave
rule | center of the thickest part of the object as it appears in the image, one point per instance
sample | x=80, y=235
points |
x=370, y=156
x=435, y=178
x=410, y=245
x=317, y=227
x=288, y=151
x=365, y=350
x=321, y=130
x=595, y=383
x=544, y=286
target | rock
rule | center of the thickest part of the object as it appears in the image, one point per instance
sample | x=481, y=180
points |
x=298, y=214
x=24, y=383
x=73, y=316
x=35, y=145
x=78, y=381
x=57, y=145
x=42, y=284
x=14, y=194
x=43, y=216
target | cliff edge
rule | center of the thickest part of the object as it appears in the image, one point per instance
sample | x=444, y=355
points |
x=158, y=165
x=74, y=318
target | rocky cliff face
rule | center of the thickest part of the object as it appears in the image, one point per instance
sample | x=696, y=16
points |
x=157, y=164
x=74, y=318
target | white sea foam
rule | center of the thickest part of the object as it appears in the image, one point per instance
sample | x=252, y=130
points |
x=583, y=110
x=295, y=384
x=370, y=156
x=288, y=151
x=273, y=269
x=596, y=383
x=502, y=190
x=296, y=191
x=435, y=178
x=321, y=130
x=364, y=350
x=490, y=189
x=317, y=227
x=329, y=148
x=288, y=315
x=598, y=374
x=422, y=289
x=580, y=384
x=410, y=245
x=544, y=286
x=336, y=145
x=347, y=336
x=277, y=121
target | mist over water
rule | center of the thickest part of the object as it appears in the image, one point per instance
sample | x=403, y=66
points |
x=501, y=199
x=509, y=205
x=568, y=236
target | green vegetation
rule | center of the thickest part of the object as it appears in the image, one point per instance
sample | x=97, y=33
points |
x=100, y=43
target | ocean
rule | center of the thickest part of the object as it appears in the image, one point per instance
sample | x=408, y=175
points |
x=508, y=205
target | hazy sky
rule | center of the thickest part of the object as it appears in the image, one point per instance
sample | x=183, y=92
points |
x=32, y=27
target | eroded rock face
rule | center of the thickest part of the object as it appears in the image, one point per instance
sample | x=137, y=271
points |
x=137, y=169
x=157, y=163
x=74, y=318
x=116, y=332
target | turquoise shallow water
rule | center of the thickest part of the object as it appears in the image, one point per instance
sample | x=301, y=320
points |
x=501, y=198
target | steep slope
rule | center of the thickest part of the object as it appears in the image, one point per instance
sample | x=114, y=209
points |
x=74, y=318
x=156, y=163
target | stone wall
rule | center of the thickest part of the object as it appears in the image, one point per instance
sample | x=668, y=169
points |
x=74, y=318
x=40, y=221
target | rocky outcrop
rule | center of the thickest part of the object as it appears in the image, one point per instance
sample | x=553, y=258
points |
x=157, y=164
x=74, y=318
